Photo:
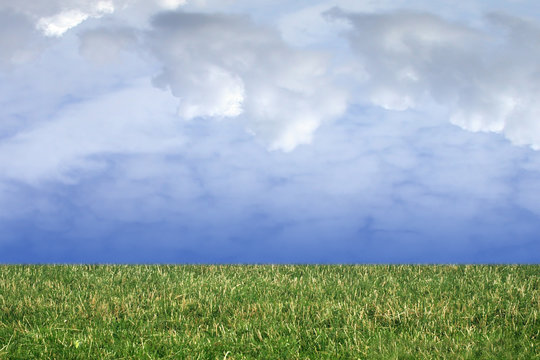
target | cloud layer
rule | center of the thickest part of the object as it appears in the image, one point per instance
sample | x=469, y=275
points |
x=202, y=131
x=485, y=75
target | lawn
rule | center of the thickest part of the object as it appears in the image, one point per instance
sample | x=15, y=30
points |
x=269, y=312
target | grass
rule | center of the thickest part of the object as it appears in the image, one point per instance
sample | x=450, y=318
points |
x=269, y=312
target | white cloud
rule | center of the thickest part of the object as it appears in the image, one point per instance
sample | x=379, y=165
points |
x=486, y=77
x=54, y=17
x=226, y=66
x=208, y=92
x=171, y=4
x=58, y=24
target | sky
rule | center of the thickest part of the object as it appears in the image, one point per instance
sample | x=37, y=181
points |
x=236, y=131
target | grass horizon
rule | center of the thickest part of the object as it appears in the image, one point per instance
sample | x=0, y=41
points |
x=269, y=311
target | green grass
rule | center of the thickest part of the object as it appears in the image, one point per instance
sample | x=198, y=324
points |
x=269, y=312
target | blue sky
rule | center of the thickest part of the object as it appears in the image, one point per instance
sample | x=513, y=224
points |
x=171, y=131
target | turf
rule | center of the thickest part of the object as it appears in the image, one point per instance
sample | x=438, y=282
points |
x=269, y=312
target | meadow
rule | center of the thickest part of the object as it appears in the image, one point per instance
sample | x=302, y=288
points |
x=269, y=312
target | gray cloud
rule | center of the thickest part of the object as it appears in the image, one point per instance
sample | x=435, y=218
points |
x=19, y=41
x=487, y=77
x=106, y=45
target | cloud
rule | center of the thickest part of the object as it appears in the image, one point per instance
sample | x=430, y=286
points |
x=54, y=17
x=129, y=120
x=58, y=24
x=104, y=46
x=485, y=77
x=390, y=190
x=226, y=66
x=98, y=164
x=19, y=41
x=171, y=4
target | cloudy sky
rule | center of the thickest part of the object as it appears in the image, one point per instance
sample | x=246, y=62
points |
x=237, y=131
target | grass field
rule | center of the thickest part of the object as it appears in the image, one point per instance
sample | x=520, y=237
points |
x=269, y=312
